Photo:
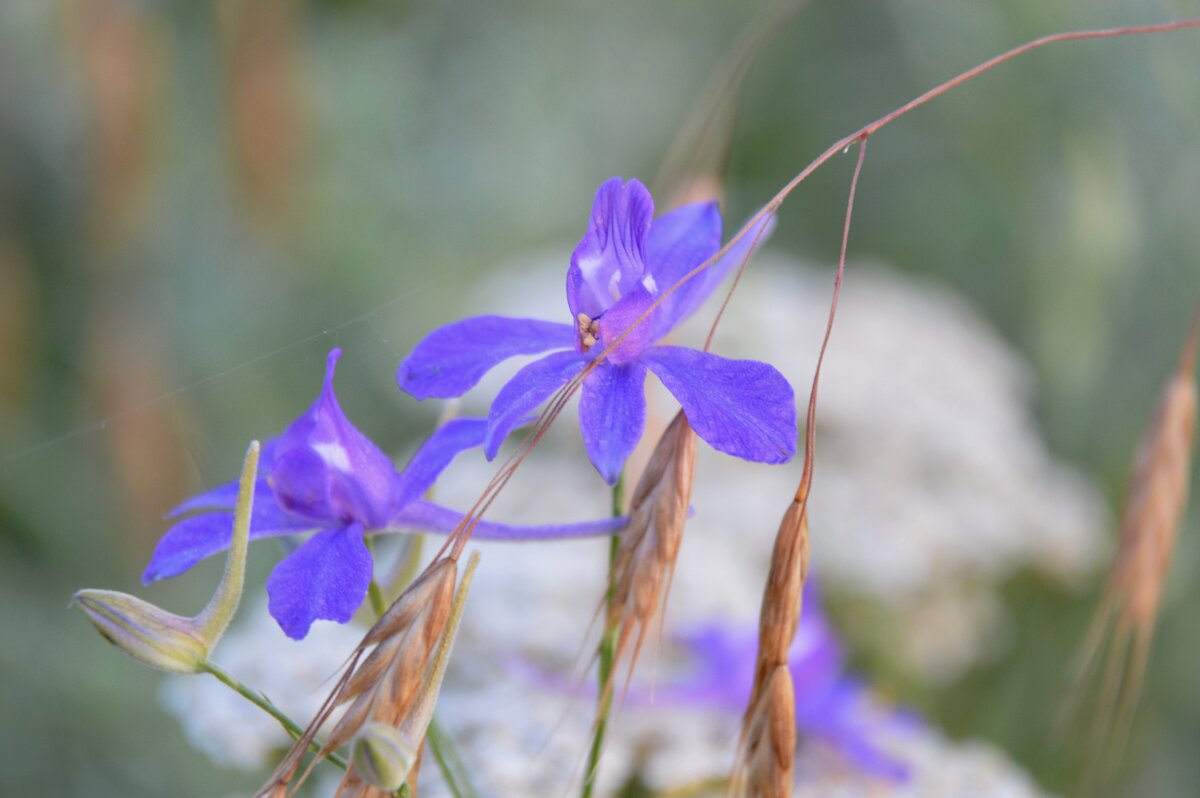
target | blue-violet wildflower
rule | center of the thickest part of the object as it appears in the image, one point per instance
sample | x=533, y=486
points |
x=322, y=475
x=621, y=266
x=830, y=705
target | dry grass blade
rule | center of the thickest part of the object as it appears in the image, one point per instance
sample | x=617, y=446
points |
x=646, y=555
x=770, y=734
x=385, y=685
x=766, y=746
x=695, y=162
x=1128, y=610
x=351, y=786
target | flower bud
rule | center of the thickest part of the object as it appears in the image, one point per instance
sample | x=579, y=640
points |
x=145, y=632
x=170, y=642
x=382, y=757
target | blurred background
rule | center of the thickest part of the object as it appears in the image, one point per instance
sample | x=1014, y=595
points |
x=198, y=200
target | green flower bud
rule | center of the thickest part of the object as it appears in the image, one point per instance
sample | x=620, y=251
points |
x=382, y=757
x=145, y=632
x=170, y=642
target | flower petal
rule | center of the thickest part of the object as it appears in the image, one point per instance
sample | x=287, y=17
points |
x=222, y=497
x=610, y=259
x=740, y=407
x=193, y=539
x=620, y=320
x=612, y=414
x=841, y=713
x=324, y=579
x=225, y=496
x=435, y=454
x=327, y=470
x=452, y=359
x=528, y=388
x=681, y=259
x=678, y=242
x=431, y=517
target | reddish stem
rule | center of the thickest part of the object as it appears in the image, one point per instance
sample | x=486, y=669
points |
x=810, y=424
x=463, y=534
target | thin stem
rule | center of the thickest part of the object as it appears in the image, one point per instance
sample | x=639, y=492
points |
x=375, y=596
x=407, y=568
x=262, y=702
x=445, y=753
x=810, y=426
x=607, y=650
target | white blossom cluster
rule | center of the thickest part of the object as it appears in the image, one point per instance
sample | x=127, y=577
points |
x=932, y=484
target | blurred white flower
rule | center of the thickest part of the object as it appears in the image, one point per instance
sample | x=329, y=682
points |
x=932, y=483
x=932, y=488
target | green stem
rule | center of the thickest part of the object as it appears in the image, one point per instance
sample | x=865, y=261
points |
x=453, y=769
x=262, y=702
x=378, y=602
x=607, y=650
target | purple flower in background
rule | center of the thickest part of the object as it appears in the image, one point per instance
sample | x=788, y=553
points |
x=622, y=265
x=324, y=476
x=830, y=706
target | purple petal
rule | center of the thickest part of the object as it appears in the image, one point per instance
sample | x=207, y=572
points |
x=222, y=497
x=841, y=715
x=303, y=485
x=324, y=579
x=815, y=656
x=740, y=407
x=623, y=322
x=610, y=259
x=435, y=454
x=327, y=470
x=723, y=659
x=680, y=241
x=225, y=496
x=528, y=388
x=612, y=414
x=452, y=359
x=860, y=751
x=193, y=539
x=692, y=294
x=431, y=517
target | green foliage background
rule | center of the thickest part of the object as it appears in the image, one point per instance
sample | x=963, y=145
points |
x=160, y=305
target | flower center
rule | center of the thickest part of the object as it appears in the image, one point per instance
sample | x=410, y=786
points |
x=589, y=330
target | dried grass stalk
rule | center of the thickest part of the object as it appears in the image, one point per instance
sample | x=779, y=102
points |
x=771, y=734
x=648, y=549
x=382, y=685
x=779, y=619
x=1126, y=617
x=767, y=745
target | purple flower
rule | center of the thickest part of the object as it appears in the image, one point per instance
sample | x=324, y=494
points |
x=324, y=476
x=830, y=706
x=623, y=264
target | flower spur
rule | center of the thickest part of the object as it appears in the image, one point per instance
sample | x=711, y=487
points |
x=322, y=475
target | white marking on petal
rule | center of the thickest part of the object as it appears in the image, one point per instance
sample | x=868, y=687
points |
x=650, y=284
x=335, y=455
x=590, y=267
